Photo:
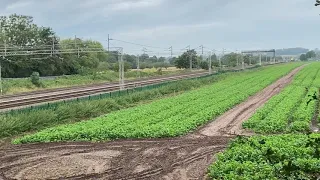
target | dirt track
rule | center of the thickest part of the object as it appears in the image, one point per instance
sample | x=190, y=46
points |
x=176, y=158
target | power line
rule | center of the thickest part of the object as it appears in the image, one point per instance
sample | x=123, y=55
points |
x=137, y=44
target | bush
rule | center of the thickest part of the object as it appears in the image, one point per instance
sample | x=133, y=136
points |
x=204, y=65
x=35, y=79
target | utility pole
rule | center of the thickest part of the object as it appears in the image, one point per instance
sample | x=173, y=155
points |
x=274, y=57
x=201, y=49
x=190, y=57
x=53, y=45
x=144, y=50
x=222, y=57
x=171, y=51
x=121, y=69
x=3, y=57
x=76, y=46
x=210, y=69
x=75, y=41
x=138, y=65
x=220, y=64
x=242, y=61
x=266, y=58
x=237, y=57
x=201, y=53
x=260, y=63
x=108, y=43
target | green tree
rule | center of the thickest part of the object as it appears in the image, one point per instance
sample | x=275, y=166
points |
x=20, y=32
x=162, y=59
x=144, y=57
x=127, y=66
x=183, y=61
x=131, y=59
x=214, y=60
x=112, y=57
x=80, y=58
x=230, y=59
x=310, y=54
x=204, y=65
x=246, y=59
x=303, y=57
x=152, y=59
x=172, y=60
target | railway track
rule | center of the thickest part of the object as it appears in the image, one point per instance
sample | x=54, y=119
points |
x=32, y=98
x=88, y=86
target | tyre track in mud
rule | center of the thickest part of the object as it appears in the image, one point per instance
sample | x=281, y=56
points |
x=167, y=158
x=141, y=159
x=230, y=122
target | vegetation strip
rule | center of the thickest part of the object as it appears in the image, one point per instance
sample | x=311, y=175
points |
x=166, y=117
x=270, y=157
x=51, y=105
x=292, y=114
x=315, y=123
x=39, y=118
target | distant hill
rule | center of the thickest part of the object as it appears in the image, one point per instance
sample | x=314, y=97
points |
x=291, y=51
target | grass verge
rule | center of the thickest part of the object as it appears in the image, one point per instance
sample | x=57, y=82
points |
x=13, y=86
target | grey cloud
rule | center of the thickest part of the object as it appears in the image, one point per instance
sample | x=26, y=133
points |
x=246, y=23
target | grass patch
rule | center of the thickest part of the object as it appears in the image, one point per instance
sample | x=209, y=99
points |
x=12, y=86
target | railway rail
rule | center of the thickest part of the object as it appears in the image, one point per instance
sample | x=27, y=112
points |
x=88, y=86
x=32, y=98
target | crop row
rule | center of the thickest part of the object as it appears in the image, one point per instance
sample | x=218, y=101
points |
x=269, y=157
x=291, y=110
x=167, y=117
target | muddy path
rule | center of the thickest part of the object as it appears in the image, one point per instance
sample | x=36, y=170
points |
x=230, y=122
x=178, y=158
x=169, y=158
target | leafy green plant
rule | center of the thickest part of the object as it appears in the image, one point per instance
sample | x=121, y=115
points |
x=292, y=110
x=269, y=157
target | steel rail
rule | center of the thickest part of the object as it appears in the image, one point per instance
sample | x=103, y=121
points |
x=62, y=95
x=77, y=87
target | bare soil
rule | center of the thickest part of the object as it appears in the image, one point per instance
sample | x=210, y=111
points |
x=178, y=158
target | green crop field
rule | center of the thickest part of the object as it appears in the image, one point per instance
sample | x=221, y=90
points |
x=293, y=109
x=167, y=117
x=270, y=157
x=279, y=156
x=292, y=155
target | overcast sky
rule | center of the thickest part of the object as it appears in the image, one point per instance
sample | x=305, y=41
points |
x=216, y=24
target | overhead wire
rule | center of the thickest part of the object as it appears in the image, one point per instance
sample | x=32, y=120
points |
x=137, y=44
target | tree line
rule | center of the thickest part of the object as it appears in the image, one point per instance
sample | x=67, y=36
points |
x=308, y=55
x=19, y=31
